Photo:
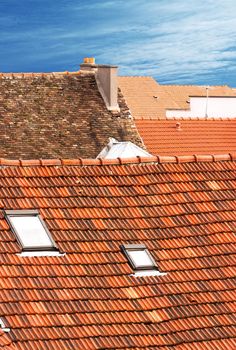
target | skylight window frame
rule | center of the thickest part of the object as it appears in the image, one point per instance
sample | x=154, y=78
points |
x=29, y=213
x=2, y=323
x=126, y=248
x=3, y=326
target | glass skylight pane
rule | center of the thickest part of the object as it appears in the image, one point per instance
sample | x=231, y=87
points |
x=31, y=231
x=140, y=258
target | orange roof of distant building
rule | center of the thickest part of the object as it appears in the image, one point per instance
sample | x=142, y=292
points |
x=147, y=98
x=148, y=102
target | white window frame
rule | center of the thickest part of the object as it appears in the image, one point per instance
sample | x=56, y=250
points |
x=126, y=248
x=29, y=213
x=3, y=326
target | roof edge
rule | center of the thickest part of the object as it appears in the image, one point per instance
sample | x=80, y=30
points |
x=185, y=118
x=196, y=158
x=22, y=75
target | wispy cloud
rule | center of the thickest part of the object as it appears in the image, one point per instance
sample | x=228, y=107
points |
x=185, y=46
x=174, y=41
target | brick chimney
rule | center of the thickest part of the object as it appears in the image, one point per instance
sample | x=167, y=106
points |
x=106, y=77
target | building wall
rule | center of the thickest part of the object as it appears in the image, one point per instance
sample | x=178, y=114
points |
x=221, y=107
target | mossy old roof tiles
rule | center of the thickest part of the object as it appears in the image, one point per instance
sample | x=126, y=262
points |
x=58, y=115
x=181, y=208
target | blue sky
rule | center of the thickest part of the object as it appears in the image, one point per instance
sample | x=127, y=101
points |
x=176, y=41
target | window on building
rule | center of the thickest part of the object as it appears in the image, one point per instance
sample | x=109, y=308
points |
x=139, y=257
x=30, y=230
x=3, y=326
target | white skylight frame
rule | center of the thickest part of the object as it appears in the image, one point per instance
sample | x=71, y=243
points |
x=11, y=214
x=143, y=254
x=3, y=326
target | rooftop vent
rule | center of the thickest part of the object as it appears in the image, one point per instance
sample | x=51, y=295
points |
x=89, y=60
x=126, y=149
x=178, y=126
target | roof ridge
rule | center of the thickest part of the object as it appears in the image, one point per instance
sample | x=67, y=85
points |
x=199, y=86
x=118, y=161
x=186, y=118
x=40, y=74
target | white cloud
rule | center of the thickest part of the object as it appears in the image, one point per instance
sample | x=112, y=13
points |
x=191, y=44
x=173, y=40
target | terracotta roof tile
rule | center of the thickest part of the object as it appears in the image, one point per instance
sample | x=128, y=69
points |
x=5, y=342
x=184, y=212
x=148, y=102
x=161, y=137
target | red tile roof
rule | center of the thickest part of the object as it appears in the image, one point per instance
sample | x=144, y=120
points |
x=5, y=342
x=188, y=137
x=148, y=102
x=181, y=208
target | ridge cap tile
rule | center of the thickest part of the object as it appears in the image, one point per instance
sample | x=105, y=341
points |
x=38, y=74
x=117, y=161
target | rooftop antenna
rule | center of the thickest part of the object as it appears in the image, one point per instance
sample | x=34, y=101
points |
x=207, y=95
x=207, y=99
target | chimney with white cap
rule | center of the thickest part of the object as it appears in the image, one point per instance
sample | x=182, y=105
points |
x=106, y=77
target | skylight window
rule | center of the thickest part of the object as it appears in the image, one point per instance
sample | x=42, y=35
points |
x=139, y=257
x=30, y=230
x=3, y=326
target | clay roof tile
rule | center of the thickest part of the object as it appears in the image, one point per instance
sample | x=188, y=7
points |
x=181, y=208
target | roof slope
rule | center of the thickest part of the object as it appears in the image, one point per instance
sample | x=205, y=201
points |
x=148, y=102
x=147, y=99
x=183, y=212
x=58, y=116
x=187, y=137
x=139, y=94
x=5, y=342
